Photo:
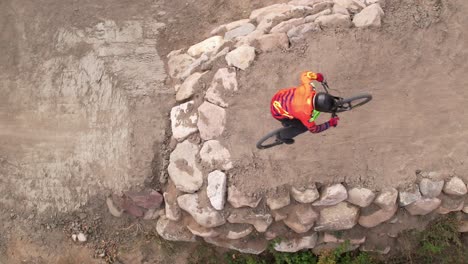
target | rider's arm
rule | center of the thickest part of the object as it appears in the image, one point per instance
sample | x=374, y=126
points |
x=311, y=126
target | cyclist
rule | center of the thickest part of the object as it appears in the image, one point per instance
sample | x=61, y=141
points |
x=294, y=108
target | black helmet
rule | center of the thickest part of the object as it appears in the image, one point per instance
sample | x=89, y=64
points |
x=324, y=102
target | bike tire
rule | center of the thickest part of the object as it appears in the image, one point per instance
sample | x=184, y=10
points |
x=361, y=99
x=268, y=136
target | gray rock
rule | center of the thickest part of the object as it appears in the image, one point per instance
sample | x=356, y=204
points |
x=370, y=16
x=338, y=217
x=387, y=199
x=81, y=237
x=196, y=65
x=332, y=195
x=276, y=9
x=229, y=26
x=240, y=31
x=261, y=222
x=361, y=196
x=183, y=120
x=239, y=199
x=210, y=46
x=296, y=244
x=204, y=215
x=241, y=57
x=305, y=195
x=410, y=196
x=201, y=231
x=450, y=204
x=429, y=188
x=377, y=217
x=239, y=231
x=216, y=189
x=279, y=200
x=285, y=26
x=272, y=42
x=178, y=63
x=224, y=84
x=312, y=18
x=173, y=231
x=215, y=155
x=183, y=169
x=423, y=206
x=113, y=209
x=211, y=121
x=334, y=21
x=188, y=87
x=298, y=33
x=455, y=186
x=301, y=218
x=250, y=39
x=247, y=246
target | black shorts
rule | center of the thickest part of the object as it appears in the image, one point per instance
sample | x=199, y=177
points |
x=294, y=128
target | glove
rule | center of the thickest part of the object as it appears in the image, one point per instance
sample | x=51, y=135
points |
x=320, y=77
x=334, y=121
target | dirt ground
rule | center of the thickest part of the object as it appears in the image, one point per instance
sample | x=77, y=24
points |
x=84, y=112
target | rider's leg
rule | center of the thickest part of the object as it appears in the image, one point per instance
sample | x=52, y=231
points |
x=295, y=128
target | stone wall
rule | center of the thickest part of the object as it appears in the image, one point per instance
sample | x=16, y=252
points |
x=200, y=202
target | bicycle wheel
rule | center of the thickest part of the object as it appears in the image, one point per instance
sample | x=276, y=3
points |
x=270, y=140
x=352, y=102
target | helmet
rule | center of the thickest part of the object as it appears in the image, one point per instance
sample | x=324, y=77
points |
x=324, y=102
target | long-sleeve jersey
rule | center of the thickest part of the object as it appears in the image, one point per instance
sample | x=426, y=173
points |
x=297, y=103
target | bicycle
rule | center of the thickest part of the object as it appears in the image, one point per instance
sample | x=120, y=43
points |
x=341, y=105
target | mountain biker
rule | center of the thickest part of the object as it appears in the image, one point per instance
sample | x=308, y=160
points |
x=294, y=108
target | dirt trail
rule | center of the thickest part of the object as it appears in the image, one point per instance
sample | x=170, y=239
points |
x=417, y=75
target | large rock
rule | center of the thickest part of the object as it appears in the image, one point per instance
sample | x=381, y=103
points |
x=201, y=231
x=211, y=121
x=241, y=57
x=352, y=5
x=305, y=194
x=334, y=21
x=171, y=207
x=229, y=26
x=216, y=189
x=183, y=120
x=239, y=199
x=301, y=218
x=215, y=155
x=409, y=196
x=312, y=18
x=210, y=46
x=296, y=244
x=224, y=84
x=261, y=222
x=387, y=199
x=377, y=217
x=188, y=87
x=423, y=206
x=178, y=63
x=450, y=204
x=196, y=65
x=429, y=188
x=183, y=169
x=298, y=33
x=285, y=26
x=338, y=217
x=276, y=9
x=204, y=215
x=272, y=42
x=250, y=39
x=455, y=186
x=239, y=231
x=278, y=200
x=173, y=231
x=332, y=195
x=337, y=9
x=370, y=16
x=240, y=31
x=149, y=199
x=361, y=196
x=247, y=246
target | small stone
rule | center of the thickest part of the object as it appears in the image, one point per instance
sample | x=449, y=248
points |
x=215, y=155
x=178, y=64
x=238, y=199
x=455, y=186
x=278, y=200
x=113, y=209
x=423, y=206
x=429, y=188
x=224, y=84
x=239, y=232
x=241, y=57
x=203, y=215
x=370, y=16
x=247, y=246
x=211, y=121
x=272, y=42
x=201, y=231
x=216, y=189
x=81, y=237
x=285, y=26
x=332, y=195
x=240, y=31
x=361, y=196
x=334, y=21
x=387, y=199
x=410, y=196
x=183, y=120
x=210, y=45
x=296, y=244
x=245, y=216
x=338, y=217
x=74, y=237
x=171, y=206
x=151, y=214
x=305, y=195
x=465, y=209
x=188, y=87
x=377, y=217
x=463, y=226
x=183, y=169
x=450, y=204
x=173, y=231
